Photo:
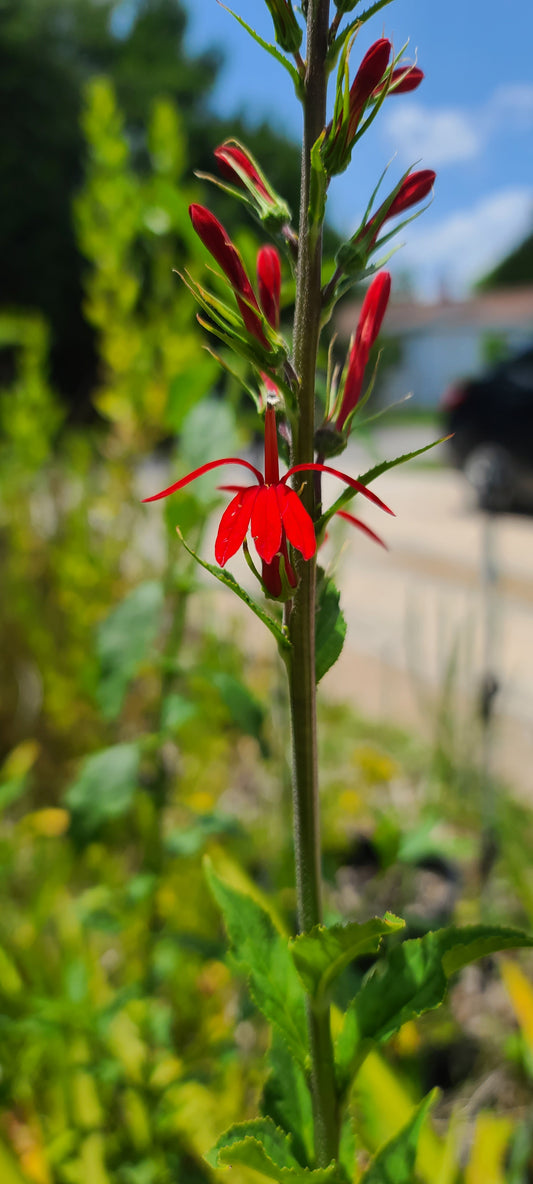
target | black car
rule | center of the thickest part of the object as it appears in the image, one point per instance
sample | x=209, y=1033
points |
x=491, y=418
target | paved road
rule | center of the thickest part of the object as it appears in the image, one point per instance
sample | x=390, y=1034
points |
x=452, y=583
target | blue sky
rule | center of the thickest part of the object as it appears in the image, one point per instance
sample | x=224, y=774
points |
x=471, y=120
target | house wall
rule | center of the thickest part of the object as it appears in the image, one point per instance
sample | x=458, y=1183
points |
x=435, y=357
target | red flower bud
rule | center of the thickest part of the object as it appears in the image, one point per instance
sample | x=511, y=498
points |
x=413, y=189
x=269, y=282
x=369, y=325
x=402, y=80
x=220, y=246
x=227, y=156
x=368, y=76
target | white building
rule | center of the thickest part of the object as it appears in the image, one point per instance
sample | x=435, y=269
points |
x=447, y=340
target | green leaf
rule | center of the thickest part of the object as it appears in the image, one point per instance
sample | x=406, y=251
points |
x=123, y=641
x=336, y=46
x=412, y=979
x=330, y=625
x=10, y=1172
x=321, y=955
x=262, y=1131
x=395, y=1162
x=271, y=49
x=105, y=786
x=229, y=581
x=211, y=419
x=177, y=711
x=287, y=1099
x=245, y=710
x=262, y=953
x=189, y=840
x=262, y=1146
x=370, y=475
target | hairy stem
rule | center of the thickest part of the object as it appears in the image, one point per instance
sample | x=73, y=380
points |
x=301, y=662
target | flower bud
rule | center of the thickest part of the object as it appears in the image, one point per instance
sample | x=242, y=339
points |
x=368, y=327
x=233, y=161
x=220, y=246
x=340, y=133
x=237, y=165
x=402, y=80
x=269, y=283
x=414, y=189
x=288, y=32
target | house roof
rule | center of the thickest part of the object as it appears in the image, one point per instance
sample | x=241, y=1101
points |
x=504, y=308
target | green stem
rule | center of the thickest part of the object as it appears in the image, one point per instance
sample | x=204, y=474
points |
x=301, y=623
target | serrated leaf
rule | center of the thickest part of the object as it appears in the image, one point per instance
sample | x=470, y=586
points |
x=105, y=786
x=266, y=1149
x=395, y=1162
x=321, y=955
x=287, y=1099
x=271, y=49
x=225, y=577
x=123, y=642
x=330, y=625
x=262, y=953
x=412, y=979
x=275, y=1143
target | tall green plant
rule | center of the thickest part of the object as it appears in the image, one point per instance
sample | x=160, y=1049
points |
x=303, y=1131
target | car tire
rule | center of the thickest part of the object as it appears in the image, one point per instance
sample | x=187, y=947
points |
x=489, y=470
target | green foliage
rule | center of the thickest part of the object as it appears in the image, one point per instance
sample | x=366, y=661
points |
x=330, y=628
x=412, y=979
x=287, y=1101
x=261, y=952
x=123, y=642
x=261, y=1145
x=323, y=953
x=105, y=786
x=395, y=1162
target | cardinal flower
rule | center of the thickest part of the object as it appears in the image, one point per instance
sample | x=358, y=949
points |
x=270, y=509
x=402, y=80
x=413, y=189
x=369, y=325
x=236, y=163
x=269, y=283
x=218, y=243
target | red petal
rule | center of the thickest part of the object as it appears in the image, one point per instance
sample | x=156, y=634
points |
x=362, y=526
x=234, y=524
x=372, y=497
x=297, y=523
x=212, y=464
x=266, y=523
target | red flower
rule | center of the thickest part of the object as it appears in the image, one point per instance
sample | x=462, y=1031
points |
x=369, y=325
x=339, y=136
x=368, y=76
x=402, y=80
x=220, y=246
x=271, y=509
x=269, y=283
x=228, y=156
x=413, y=189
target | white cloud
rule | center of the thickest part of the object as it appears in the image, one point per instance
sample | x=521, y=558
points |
x=511, y=107
x=462, y=247
x=444, y=136
x=448, y=135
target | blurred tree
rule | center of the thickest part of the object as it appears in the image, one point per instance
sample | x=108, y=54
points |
x=48, y=51
x=513, y=271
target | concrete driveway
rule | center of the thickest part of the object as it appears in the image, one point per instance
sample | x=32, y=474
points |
x=454, y=588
